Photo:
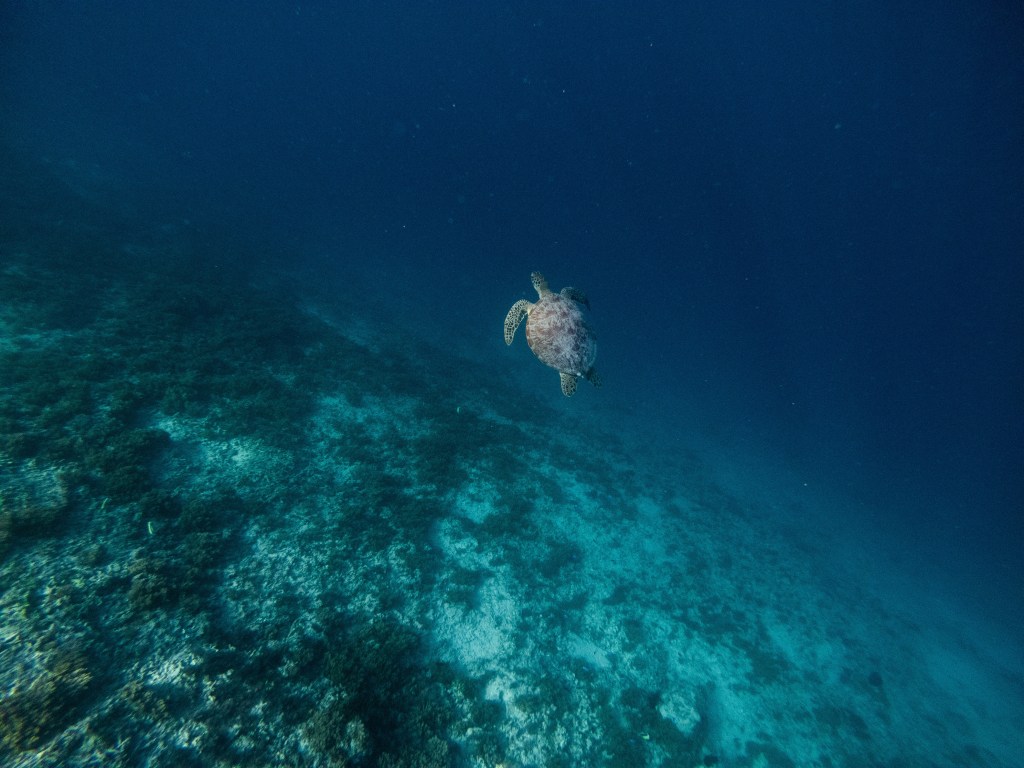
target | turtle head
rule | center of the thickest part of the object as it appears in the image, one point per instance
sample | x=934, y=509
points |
x=539, y=283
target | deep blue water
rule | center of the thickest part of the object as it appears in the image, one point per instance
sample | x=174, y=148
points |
x=800, y=224
x=806, y=218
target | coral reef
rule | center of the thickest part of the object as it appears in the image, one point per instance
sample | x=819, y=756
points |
x=250, y=524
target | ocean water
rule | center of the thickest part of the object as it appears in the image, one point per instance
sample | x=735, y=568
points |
x=275, y=492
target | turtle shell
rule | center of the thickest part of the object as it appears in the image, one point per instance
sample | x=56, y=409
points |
x=560, y=336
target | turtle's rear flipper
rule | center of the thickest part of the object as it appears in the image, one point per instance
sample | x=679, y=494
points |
x=576, y=295
x=593, y=378
x=568, y=384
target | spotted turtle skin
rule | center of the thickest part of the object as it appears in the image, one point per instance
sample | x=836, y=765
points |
x=557, y=332
x=560, y=336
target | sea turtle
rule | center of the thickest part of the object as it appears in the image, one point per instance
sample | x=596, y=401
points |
x=557, y=332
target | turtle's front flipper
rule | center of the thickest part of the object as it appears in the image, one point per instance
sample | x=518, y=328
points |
x=576, y=295
x=568, y=384
x=514, y=318
x=593, y=378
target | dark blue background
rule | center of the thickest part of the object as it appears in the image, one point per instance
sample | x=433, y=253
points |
x=802, y=221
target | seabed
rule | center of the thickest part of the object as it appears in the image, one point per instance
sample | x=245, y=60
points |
x=245, y=521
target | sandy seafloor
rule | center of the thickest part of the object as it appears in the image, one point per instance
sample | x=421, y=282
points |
x=249, y=520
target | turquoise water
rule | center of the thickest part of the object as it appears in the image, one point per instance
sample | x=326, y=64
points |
x=255, y=519
x=275, y=492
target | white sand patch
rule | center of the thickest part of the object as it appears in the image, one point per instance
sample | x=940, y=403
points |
x=476, y=499
x=174, y=668
x=238, y=456
x=382, y=418
x=227, y=454
x=680, y=708
x=587, y=651
x=794, y=644
x=484, y=638
x=459, y=545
